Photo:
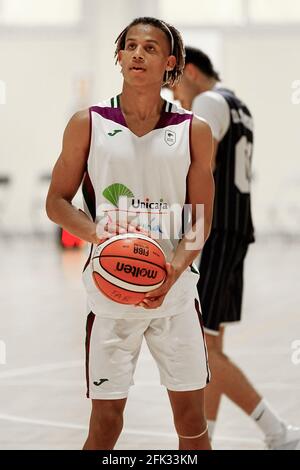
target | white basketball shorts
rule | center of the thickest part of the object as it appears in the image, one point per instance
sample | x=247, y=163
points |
x=176, y=343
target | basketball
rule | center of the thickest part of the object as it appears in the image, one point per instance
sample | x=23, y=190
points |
x=126, y=267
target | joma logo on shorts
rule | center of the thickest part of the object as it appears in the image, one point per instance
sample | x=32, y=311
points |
x=136, y=272
x=140, y=250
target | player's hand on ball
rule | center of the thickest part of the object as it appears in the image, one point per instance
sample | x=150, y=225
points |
x=133, y=228
x=106, y=230
x=155, y=298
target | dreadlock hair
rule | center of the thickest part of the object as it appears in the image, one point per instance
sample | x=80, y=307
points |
x=176, y=45
x=202, y=61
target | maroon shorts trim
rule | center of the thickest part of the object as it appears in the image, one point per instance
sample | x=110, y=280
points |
x=89, y=327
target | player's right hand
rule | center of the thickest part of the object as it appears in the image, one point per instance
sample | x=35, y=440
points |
x=106, y=230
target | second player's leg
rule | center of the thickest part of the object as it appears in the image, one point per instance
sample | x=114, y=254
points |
x=213, y=392
x=106, y=424
x=189, y=419
x=227, y=378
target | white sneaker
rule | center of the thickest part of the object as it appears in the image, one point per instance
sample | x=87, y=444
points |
x=289, y=439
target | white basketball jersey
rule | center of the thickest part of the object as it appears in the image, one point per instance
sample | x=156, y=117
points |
x=142, y=179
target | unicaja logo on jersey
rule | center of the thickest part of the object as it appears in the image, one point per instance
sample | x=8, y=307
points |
x=114, y=192
x=147, y=204
x=136, y=272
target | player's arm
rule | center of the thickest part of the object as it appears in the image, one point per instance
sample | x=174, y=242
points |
x=215, y=110
x=214, y=156
x=67, y=176
x=200, y=191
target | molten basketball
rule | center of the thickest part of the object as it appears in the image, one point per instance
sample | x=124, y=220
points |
x=126, y=267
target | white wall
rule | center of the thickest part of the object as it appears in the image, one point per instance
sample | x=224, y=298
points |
x=261, y=68
x=40, y=71
x=39, y=74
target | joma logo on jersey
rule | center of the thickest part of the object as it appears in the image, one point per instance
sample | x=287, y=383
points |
x=170, y=138
x=147, y=204
x=136, y=272
x=140, y=250
x=115, y=132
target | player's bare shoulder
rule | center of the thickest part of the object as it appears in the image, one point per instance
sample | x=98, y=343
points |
x=201, y=129
x=78, y=129
x=201, y=139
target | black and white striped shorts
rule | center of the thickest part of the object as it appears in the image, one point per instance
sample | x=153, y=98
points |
x=221, y=283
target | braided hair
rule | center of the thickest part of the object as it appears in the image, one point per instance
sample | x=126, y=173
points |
x=176, y=45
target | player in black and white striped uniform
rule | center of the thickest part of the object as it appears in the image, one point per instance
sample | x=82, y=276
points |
x=221, y=264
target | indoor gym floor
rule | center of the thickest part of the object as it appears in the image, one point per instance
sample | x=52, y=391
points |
x=42, y=385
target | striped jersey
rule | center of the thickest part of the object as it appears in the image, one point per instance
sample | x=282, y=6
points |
x=232, y=205
x=141, y=179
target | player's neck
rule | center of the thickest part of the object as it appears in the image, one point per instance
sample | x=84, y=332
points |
x=140, y=102
x=207, y=85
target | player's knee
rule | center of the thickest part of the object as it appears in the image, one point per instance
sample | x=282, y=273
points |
x=216, y=357
x=212, y=343
x=107, y=419
x=191, y=422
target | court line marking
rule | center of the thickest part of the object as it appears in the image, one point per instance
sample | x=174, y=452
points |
x=134, y=432
x=41, y=422
x=40, y=369
x=138, y=384
x=59, y=424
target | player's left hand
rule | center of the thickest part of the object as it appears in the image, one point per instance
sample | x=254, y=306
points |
x=155, y=298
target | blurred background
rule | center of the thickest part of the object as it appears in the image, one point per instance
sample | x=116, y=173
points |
x=56, y=57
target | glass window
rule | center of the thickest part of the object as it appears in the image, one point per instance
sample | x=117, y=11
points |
x=194, y=12
x=274, y=11
x=40, y=12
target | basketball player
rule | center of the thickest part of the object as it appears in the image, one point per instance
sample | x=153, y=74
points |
x=221, y=284
x=157, y=152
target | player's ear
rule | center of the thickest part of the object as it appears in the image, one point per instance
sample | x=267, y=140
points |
x=120, y=55
x=171, y=63
x=190, y=71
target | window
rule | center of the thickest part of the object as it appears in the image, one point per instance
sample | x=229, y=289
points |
x=274, y=11
x=191, y=13
x=194, y=12
x=40, y=12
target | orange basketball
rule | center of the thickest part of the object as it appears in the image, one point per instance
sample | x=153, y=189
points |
x=125, y=267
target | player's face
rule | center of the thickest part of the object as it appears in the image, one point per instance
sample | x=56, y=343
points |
x=146, y=56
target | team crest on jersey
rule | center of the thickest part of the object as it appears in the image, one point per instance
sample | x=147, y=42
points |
x=170, y=138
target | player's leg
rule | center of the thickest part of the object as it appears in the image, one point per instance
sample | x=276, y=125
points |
x=213, y=393
x=220, y=291
x=106, y=424
x=227, y=378
x=189, y=419
x=112, y=350
x=178, y=346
